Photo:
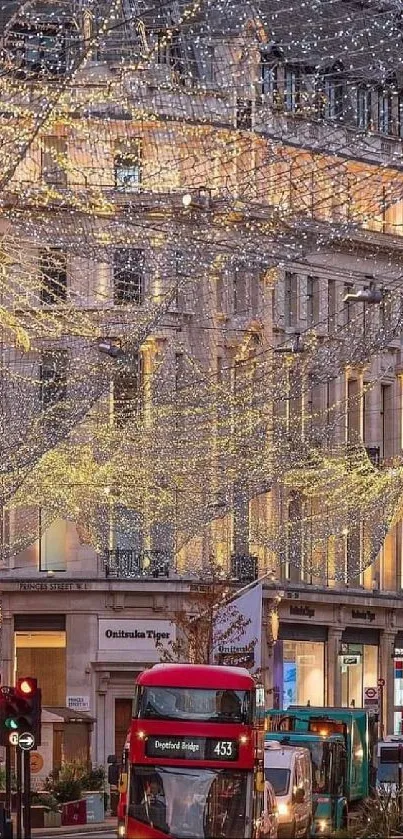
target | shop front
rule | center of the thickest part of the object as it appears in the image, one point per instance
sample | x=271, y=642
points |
x=126, y=646
x=358, y=664
x=398, y=684
x=300, y=665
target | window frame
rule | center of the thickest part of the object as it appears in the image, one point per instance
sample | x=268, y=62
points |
x=126, y=291
x=132, y=154
x=292, y=91
x=363, y=107
x=384, y=117
x=53, y=291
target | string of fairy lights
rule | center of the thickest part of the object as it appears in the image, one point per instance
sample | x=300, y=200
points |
x=159, y=188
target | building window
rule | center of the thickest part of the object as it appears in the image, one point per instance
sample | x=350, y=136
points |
x=127, y=166
x=169, y=52
x=347, y=307
x=53, y=378
x=239, y=290
x=54, y=154
x=53, y=276
x=312, y=300
x=333, y=94
x=207, y=62
x=291, y=551
x=128, y=276
x=363, y=108
x=400, y=114
x=387, y=413
x=244, y=114
x=53, y=546
x=354, y=410
x=384, y=112
x=331, y=306
x=39, y=52
x=269, y=77
x=126, y=393
x=292, y=88
x=359, y=670
x=290, y=299
x=178, y=275
x=398, y=695
x=220, y=362
x=303, y=673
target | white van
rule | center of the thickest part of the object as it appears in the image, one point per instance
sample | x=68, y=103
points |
x=289, y=770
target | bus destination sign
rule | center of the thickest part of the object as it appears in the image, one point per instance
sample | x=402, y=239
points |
x=191, y=748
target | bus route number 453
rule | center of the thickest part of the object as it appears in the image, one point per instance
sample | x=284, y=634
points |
x=224, y=748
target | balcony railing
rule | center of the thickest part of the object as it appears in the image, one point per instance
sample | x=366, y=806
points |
x=132, y=564
x=244, y=568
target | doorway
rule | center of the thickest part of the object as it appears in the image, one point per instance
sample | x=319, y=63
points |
x=123, y=716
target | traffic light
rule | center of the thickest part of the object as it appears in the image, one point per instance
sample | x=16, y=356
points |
x=20, y=711
x=29, y=703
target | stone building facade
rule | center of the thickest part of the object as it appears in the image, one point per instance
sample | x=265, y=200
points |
x=87, y=633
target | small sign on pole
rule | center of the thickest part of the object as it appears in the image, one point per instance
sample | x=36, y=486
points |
x=371, y=698
x=26, y=741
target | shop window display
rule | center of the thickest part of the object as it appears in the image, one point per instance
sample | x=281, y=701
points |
x=303, y=673
x=398, y=698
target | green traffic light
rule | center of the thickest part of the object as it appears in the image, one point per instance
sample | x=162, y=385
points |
x=11, y=723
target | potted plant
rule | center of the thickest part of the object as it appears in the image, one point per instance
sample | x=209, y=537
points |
x=45, y=810
x=65, y=783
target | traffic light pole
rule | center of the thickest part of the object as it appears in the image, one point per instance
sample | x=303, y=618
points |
x=27, y=796
x=8, y=783
x=18, y=770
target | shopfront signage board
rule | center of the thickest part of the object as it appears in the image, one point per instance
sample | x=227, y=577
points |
x=135, y=635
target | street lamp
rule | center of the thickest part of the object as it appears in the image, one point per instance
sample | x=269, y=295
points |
x=111, y=347
x=297, y=346
x=365, y=295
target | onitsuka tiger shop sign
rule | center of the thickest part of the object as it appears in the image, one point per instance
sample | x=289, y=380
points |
x=135, y=635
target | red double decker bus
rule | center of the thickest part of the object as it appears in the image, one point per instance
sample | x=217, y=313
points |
x=192, y=754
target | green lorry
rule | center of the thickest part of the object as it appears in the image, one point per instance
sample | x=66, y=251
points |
x=342, y=743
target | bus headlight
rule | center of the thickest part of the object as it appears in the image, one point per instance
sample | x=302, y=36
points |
x=323, y=825
x=283, y=808
x=121, y=830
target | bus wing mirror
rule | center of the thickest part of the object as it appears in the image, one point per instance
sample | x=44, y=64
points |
x=123, y=783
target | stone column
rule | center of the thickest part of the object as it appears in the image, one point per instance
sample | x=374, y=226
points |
x=7, y=649
x=333, y=668
x=103, y=684
x=268, y=645
x=386, y=672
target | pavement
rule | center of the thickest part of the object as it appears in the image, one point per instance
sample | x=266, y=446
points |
x=103, y=829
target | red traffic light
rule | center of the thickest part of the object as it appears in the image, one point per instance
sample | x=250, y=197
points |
x=26, y=686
